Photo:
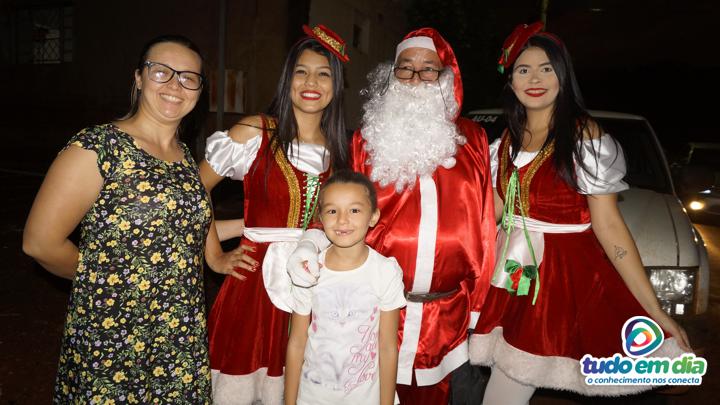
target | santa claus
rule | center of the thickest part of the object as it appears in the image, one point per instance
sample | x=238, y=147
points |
x=432, y=175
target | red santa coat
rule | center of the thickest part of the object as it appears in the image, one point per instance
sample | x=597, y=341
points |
x=442, y=233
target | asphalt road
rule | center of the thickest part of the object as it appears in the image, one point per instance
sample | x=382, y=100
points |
x=33, y=304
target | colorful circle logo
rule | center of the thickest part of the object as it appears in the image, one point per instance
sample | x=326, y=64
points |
x=641, y=336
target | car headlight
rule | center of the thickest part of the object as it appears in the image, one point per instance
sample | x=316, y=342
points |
x=696, y=205
x=674, y=288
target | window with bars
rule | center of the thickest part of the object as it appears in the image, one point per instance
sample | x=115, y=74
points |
x=41, y=35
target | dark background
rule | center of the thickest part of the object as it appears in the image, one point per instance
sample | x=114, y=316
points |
x=659, y=59
x=655, y=58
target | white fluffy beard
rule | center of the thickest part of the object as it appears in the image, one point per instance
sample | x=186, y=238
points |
x=409, y=130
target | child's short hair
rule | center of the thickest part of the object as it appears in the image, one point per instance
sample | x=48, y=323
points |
x=348, y=176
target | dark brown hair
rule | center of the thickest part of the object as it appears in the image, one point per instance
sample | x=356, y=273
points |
x=351, y=177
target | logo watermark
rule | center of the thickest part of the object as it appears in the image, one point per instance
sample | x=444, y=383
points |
x=641, y=336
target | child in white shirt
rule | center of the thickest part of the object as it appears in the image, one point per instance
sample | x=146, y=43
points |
x=343, y=340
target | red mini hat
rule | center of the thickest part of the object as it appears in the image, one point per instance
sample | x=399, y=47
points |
x=513, y=44
x=329, y=39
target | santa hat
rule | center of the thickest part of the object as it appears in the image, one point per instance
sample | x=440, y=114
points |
x=429, y=38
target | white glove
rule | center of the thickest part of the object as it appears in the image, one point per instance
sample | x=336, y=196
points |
x=303, y=264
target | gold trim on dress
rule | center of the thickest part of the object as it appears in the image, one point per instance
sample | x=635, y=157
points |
x=290, y=179
x=535, y=165
x=538, y=161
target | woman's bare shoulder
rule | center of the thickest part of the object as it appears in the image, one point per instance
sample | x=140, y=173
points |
x=592, y=130
x=247, y=128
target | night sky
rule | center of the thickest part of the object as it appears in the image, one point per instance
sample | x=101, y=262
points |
x=656, y=58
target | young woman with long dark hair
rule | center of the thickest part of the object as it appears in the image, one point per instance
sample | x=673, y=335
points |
x=282, y=158
x=568, y=274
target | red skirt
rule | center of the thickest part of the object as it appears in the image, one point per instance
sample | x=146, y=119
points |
x=246, y=331
x=581, y=308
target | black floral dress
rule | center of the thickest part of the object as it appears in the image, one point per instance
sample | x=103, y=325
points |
x=135, y=331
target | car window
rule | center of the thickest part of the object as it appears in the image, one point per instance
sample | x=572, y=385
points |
x=646, y=168
x=493, y=124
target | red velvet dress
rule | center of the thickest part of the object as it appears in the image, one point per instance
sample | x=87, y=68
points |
x=453, y=252
x=582, y=302
x=248, y=335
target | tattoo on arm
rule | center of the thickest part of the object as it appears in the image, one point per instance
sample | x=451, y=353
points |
x=619, y=252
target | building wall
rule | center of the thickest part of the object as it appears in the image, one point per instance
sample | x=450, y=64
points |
x=259, y=34
x=382, y=24
x=107, y=38
x=54, y=100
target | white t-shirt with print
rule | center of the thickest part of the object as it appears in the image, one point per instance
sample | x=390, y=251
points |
x=341, y=354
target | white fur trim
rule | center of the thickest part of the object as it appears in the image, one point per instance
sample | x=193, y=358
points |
x=424, y=266
x=415, y=42
x=247, y=389
x=560, y=373
x=408, y=346
x=454, y=359
x=427, y=235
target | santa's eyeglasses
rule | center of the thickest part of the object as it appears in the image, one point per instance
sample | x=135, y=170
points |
x=425, y=74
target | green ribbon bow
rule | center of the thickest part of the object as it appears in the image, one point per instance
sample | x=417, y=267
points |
x=530, y=271
x=526, y=274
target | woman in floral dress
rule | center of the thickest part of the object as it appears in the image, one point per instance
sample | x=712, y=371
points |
x=135, y=330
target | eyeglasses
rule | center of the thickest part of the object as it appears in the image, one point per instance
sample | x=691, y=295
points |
x=161, y=73
x=425, y=74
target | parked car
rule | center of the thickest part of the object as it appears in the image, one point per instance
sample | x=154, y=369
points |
x=673, y=252
x=698, y=175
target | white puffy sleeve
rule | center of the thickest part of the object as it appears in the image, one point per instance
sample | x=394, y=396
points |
x=229, y=158
x=604, y=160
x=494, y=146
